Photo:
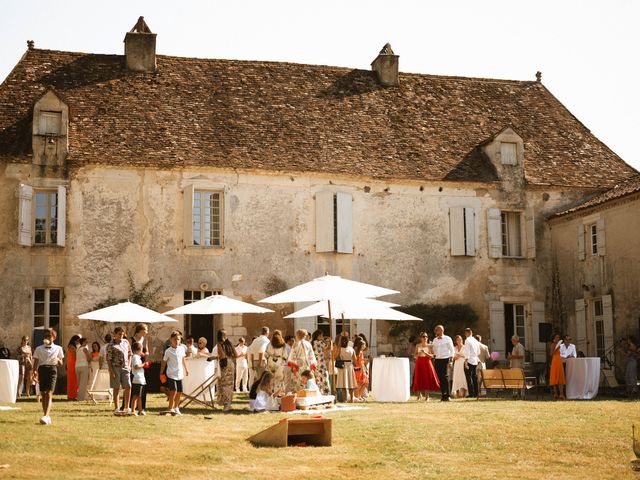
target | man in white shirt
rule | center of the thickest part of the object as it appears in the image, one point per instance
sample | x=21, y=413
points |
x=516, y=358
x=443, y=351
x=46, y=360
x=256, y=351
x=567, y=349
x=471, y=352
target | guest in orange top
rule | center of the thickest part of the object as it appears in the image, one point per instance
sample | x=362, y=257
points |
x=556, y=373
x=72, y=379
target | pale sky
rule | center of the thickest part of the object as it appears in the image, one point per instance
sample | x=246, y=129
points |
x=587, y=50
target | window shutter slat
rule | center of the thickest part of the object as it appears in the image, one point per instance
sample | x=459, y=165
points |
x=530, y=228
x=470, y=229
x=607, y=320
x=496, y=326
x=539, y=347
x=601, y=242
x=495, y=232
x=581, y=251
x=188, y=215
x=456, y=230
x=581, y=326
x=62, y=216
x=345, y=222
x=324, y=221
x=25, y=213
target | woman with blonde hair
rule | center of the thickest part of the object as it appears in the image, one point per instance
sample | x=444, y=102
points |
x=459, y=385
x=301, y=358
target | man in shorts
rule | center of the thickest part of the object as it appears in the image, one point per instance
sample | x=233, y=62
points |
x=119, y=362
x=47, y=358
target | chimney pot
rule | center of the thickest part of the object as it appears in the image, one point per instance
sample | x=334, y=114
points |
x=386, y=67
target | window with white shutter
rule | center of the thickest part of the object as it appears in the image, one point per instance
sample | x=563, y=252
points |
x=538, y=344
x=462, y=231
x=42, y=216
x=509, y=153
x=25, y=215
x=203, y=217
x=496, y=327
x=334, y=222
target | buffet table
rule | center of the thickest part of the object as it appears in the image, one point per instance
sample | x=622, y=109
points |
x=199, y=372
x=583, y=377
x=9, y=373
x=390, y=379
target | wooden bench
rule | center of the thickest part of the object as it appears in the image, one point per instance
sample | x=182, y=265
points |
x=499, y=379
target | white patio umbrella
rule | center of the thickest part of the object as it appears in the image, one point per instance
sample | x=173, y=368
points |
x=217, y=304
x=345, y=307
x=126, y=312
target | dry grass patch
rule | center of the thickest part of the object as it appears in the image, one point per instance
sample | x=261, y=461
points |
x=461, y=439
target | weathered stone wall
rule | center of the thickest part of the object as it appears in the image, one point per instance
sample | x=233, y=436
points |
x=121, y=220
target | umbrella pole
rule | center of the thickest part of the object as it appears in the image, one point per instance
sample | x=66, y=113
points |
x=331, y=377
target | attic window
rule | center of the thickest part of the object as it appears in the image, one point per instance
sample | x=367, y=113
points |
x=508, y=153
x=50, y=123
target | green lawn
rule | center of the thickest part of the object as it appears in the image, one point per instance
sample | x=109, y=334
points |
x=462, y=439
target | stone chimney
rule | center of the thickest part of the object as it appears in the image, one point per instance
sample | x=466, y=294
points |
x=386, y=67
x=140, y=48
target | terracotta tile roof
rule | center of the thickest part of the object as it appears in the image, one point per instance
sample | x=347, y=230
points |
x=628, y=187
x=291, y=117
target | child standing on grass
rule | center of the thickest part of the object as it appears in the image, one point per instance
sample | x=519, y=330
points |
x=176, y=367
x=47, y=358
x=139, y=382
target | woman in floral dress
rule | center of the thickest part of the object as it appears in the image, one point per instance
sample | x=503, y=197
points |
x=301, y=358
x=227, y=363
x=322, y=372
x=276, y=361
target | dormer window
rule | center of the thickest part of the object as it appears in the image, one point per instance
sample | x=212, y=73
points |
x=50, y=123
x=509, y=153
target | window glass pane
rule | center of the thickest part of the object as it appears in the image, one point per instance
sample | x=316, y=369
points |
x=54, y=309
x=598, y=311
x=38, y=321
x=54, y=295
x=38, y=309
x=54, y=322
x=38, y=294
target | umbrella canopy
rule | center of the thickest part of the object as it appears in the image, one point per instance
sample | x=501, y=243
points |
x=126, y=312
x=217, y=304
x=360, y=309
x=328, y=287
x=342, y=307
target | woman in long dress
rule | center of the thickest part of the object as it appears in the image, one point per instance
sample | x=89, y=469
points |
x=301, y=358
x=557, y=379
x=424, y=377
x=72, y=379
x=322, y=372
x=360, y=369
x=227, y=363
x=459, y=386
x=276, y=355
x=345, y=359
x=25, y=363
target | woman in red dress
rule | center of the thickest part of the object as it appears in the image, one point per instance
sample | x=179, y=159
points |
x=424, y=378
x=72, y=379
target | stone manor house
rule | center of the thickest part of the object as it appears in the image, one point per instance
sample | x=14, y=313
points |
x=232, y=176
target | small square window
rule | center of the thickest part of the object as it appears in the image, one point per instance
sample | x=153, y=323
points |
x=50, y=123
x=508, y=153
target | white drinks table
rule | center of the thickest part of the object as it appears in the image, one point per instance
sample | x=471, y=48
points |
x=199, y=371
x=390, y=379
x=9, y=373
x=583, y=378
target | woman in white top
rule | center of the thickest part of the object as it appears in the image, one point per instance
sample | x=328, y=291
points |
x=242, y=366
x=83, y=358
x=459, y=385
x=344, y=365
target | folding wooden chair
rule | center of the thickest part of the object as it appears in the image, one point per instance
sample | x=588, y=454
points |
x=206, y=389
x=101, y=386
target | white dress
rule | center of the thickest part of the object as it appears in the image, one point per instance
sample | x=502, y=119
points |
x=459, y=378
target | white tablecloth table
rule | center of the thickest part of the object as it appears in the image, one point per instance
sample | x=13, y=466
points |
x=9, y=373
x=390, y=379
x=199, y=371
x=583, y=377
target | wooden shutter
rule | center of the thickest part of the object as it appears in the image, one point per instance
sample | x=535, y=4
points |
x=494, y=229
x=25, y=212
x=496, y=327
x=62, y=216
x=600, y=232
x=607, y=320
x=308, y=323
x=470, y=231
x=539, y=347
x=530, y=233
x=188, y=216
x=581, y=326
x=456, y=231
x=345, y=222
x=324, y=221
x=581, y=251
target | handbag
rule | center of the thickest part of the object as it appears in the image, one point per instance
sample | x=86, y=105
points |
x=339, y=363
